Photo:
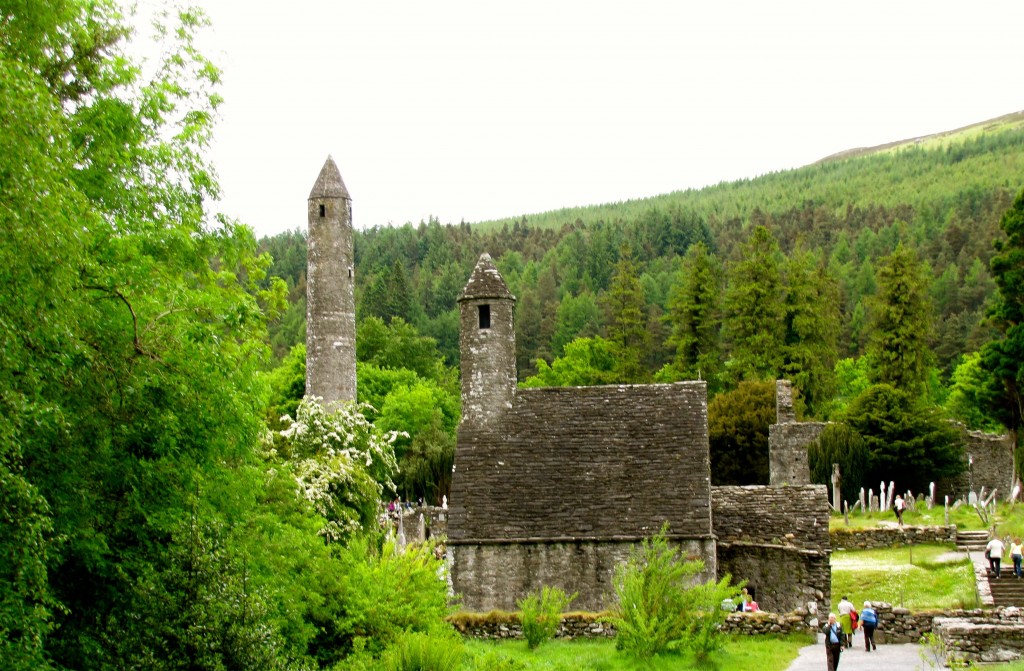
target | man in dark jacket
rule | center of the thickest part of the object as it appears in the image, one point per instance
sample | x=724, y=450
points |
x=833, y=642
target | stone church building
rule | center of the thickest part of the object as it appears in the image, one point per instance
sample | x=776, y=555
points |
x=555, y=486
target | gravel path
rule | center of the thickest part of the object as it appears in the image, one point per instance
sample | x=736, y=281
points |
x=894, y=657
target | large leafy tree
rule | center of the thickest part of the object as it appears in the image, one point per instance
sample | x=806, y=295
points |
x=130, y=321
x=1004, y=357
x=901, y=323
x=754, y=325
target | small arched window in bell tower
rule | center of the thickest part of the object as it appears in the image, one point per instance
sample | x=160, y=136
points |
x=323, y=210
x=485, y=316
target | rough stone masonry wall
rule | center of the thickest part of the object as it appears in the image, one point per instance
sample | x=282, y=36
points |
x=992, y=467
x=983, y=639
x=883, y=537
x=788, y=440
x=568, y=467
x=777, y=539
x=605, y=463
x=494, y=576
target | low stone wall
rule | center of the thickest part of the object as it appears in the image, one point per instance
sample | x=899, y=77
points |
x=591, y=626
x=998, y=638
x=582, y=626
x=884, y=537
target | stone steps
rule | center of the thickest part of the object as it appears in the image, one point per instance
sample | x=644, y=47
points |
x=971, y=540
x=1007, y=590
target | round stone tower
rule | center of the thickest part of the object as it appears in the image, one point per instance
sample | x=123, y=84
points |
x=487, y=345
x=330, y=295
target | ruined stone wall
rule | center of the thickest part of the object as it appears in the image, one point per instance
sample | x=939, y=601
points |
x=885, y=537
x=983, y=638
x=991, y=467
x=787, y=452
x=494, y=576
x=788, y=441
x=776, y=538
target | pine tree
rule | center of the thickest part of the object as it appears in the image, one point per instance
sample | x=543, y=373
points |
x=695, y=317
x=626, y=318
x=812, y=329
x=900, y=323
x=754, y=323
x=1004, y=357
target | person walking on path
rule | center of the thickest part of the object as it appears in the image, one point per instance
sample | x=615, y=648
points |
x=833, y=643
x=1016, y=554
x=995, y=550
x=868, y=622
x=898, y=507
x=845, y=608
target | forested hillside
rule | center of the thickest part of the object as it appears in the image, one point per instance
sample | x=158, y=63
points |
x=941, y=198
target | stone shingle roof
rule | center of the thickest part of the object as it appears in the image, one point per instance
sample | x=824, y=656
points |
x=485, y=282
x=329, y=183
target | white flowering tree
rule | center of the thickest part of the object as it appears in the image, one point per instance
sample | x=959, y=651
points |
x=342, y=463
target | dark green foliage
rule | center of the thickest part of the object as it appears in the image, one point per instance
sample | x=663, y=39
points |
x=625, y=321
x=908, y=442
x=738, y=424
x=900, y=323
x=840, y=444
x=26, y=544
x=754, y=325
x=200, y=609
x=1004, y=357
x=695, y=314
x=541, y=614
x=812, y=330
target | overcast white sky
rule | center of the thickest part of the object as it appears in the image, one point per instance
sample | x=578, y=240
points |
x=476, y=110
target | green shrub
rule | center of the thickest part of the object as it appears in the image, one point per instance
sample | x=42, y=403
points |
x=660, y=609
x=418, y=651
x=542, y=613
x=377, y=594
x=495, y=661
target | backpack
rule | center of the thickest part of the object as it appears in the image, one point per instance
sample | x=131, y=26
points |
x=868, y=616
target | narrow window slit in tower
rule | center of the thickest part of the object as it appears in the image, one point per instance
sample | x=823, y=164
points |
x=485, y=316
x=323, y=210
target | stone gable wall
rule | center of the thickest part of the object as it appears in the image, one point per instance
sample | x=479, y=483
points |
x=608, y=463
x=776, y=538
x=992, y=466
x=787, y=452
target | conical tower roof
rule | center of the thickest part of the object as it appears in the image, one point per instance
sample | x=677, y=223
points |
x=329, y=183
x=485, y=282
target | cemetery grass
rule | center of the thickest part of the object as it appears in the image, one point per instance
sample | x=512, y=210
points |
x=911, y=577
x=1010, y=519
x=741, y=653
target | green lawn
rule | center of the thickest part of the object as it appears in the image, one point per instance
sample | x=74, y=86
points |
x=1010, y=519
x=914, y=577
x=742, y=653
